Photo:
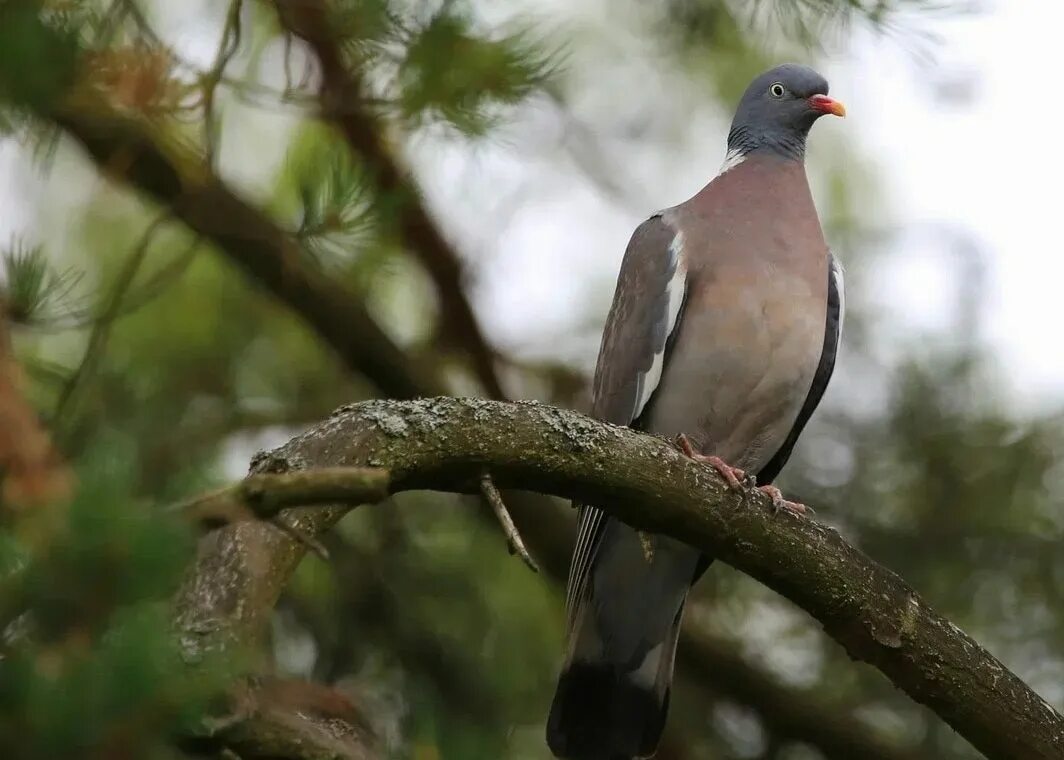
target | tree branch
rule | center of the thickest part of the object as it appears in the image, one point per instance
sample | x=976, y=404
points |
x=267, y=494
x=502, y=514
x=445, y=444
x=343, y=98
x=151, y=156
x=175, y=175
x=275, y=718
x=788, y=712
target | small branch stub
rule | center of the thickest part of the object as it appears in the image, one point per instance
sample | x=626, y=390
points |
x=263, y=495
x=513, y=537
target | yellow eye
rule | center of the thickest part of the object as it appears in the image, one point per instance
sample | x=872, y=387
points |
x=776, y=90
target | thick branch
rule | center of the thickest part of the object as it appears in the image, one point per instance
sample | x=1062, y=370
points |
x=445, y=444
x=342, y=99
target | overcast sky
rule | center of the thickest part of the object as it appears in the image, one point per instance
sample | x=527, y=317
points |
x=991, y=163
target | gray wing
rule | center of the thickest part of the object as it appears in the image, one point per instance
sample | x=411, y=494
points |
x=824, y=370
x=646, y=308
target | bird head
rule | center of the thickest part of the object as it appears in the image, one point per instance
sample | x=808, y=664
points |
x=778, y=109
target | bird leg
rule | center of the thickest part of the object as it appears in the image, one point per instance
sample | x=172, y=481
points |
x=732, y=475
x=796, y=508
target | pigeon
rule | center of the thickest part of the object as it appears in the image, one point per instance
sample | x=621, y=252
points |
x=722, y=334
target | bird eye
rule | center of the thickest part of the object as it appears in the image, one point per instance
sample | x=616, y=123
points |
x=776, y=90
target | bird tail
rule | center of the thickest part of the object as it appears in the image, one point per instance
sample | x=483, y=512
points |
x=607, y=711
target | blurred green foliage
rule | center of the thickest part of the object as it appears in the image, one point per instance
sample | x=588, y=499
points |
x=449, y=72
x=36, y=64
x=89, y=666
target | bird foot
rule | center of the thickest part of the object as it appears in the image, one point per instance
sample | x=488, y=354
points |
x=795, y=508
x=733, y=476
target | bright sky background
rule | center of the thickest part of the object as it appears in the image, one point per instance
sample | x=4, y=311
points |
x=992, y=165
x=962, y=127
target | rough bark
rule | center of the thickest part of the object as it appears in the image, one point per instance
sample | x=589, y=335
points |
x=445, y=444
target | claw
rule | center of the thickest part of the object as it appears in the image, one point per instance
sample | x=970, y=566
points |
x=795, y=508
x=732, y=475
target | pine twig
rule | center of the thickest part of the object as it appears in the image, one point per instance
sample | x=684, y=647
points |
x=66, y=406
x=513, y=537
x=226, y=50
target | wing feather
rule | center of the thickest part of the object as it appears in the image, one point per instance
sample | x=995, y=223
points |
x=647, y=305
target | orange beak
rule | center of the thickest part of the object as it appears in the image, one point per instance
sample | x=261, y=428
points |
x=824, y=104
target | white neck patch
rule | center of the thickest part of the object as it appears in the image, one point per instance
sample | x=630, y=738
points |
x=733, y=158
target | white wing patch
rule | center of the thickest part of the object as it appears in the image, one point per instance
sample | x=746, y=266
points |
x=647, y=382
x=840, y=287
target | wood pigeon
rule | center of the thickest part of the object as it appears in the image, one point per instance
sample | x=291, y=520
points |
x=723, y=332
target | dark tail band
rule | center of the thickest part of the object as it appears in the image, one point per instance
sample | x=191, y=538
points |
x=598, y=713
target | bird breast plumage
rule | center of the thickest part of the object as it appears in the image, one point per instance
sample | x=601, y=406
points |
x=747, y=348
x=739, y=397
